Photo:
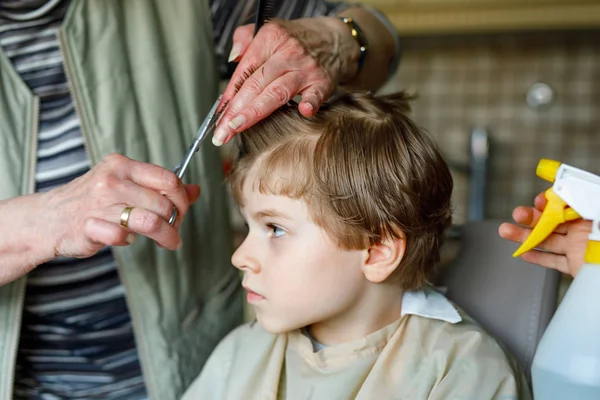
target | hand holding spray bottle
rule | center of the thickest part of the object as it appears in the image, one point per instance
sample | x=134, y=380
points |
x=567, y=361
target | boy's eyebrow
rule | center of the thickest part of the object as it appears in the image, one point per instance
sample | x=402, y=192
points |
x=269, y=213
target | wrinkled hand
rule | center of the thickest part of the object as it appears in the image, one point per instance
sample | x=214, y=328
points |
x=565, y=248
x=306, y=56
x=83, y=216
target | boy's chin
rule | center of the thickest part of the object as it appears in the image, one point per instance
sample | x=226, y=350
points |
x=277, y=326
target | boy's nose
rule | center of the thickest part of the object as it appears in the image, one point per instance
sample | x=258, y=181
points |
x=244, y=259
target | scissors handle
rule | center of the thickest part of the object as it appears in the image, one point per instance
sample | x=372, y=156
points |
x=207, y=125
x=179, y=170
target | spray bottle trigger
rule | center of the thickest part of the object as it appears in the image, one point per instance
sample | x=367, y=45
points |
x=555, y=213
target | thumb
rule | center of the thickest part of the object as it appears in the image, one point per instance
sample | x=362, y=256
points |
x=241, y=40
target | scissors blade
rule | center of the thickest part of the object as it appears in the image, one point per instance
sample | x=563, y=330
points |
x=207, y=125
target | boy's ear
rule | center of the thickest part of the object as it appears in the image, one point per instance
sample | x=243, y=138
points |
x=382, y=259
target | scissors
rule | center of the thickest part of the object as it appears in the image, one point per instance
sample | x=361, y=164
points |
x=207, y=125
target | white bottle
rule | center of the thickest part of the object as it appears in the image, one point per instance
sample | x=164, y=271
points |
x=567, y=361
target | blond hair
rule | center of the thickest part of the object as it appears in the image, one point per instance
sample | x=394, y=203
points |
x=366, y=171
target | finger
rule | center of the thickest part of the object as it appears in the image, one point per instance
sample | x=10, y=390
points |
x=193, y=192
x=530, y=216
x=509, y=231
x=263, y=47
x=139, y=196
x=556, y=243
x=146, y=223
x=254, y=57
x=159, y=179
x=312, y=99
x=526, y=215
x=101, y=233
x=548, y=260
x=278, y=93
x=242, y=37
x=540, y=201
x=514, y=233
x=238, y=115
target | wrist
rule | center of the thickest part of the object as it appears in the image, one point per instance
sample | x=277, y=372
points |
x=37, y=234
x=359, y=38
x=347, y=49
x=25, y=241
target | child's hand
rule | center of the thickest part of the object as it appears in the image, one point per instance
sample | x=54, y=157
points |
x=564, y=249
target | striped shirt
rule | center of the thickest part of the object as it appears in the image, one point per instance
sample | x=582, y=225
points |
x=76, y=336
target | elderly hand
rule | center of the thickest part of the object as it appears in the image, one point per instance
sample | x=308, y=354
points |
x=305, y=56
x=564, y=249
x=84, y=215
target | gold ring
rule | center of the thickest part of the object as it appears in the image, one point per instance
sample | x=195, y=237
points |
x=125, y=216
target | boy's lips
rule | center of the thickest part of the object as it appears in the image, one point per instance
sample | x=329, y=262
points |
x=252, y=296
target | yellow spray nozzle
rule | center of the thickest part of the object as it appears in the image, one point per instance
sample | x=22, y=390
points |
x=555, y=213
x=547, y=169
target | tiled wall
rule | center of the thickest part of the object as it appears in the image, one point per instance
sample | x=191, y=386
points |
x=482, y=81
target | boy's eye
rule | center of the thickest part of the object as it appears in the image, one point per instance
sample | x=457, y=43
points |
x=276, y=230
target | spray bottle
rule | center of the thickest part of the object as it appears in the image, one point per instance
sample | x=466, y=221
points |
x=567, y=361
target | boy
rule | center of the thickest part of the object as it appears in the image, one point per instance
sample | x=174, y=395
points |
x=346, y=214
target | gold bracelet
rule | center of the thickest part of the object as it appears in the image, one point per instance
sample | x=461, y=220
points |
x=357, y=34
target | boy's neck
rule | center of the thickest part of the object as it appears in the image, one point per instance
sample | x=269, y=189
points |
x=380, y=306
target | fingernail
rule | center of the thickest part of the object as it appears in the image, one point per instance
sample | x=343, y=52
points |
x=235, y=52
x=179, y=245
x=219, y=137
x=130, y=238
x=237, y=122
x=309, y=106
